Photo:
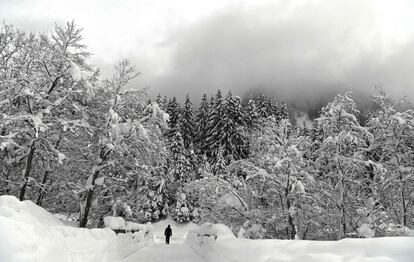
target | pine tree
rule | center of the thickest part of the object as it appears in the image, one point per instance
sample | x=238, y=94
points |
x=232, y=137
x=304, y=130
x=164, y=103
x=180, y=167
x=251, y=116
x=262, y=104
x=173, y=110
x=219, y=166
x=150, y=188
x=282, y=112
x=228, y=127
x=186, y=123
x=158, y=100
x=201, y=126
x=214, y=127
x=274, y=107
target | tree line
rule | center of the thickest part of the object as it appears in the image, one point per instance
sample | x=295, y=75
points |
x=82, y=145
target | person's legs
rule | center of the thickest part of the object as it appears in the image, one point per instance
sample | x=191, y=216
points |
x=167, y=239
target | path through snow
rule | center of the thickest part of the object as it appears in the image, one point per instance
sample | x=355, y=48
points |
x=177, y=251
x=163, y=253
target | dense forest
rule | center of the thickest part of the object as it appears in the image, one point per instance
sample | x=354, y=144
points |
x=89, y=147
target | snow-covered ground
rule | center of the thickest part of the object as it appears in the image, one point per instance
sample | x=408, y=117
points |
x=177, y=251
x=165, y=253
x=29, y=233
x=179, y=231
x=214, y=243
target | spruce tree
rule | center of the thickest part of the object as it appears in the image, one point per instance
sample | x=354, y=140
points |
x=233, y=137
x=201, y=126
x=228, y=127
x=250, y=114
x=283, y=112
x=262, y=106
x=180, y=167
x=186, y=122
x=158, y=99
x=173, y=110
x=219, y=167
x=304, y=130
x=214, y=127
x=164, y=103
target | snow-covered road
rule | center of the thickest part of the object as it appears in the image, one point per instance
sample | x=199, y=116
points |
x=164, y=253
x=177, y=251
x=34, y=235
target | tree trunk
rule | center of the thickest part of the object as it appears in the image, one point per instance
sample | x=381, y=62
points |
x=400, y=177
x=342, y=194
x=290, y=221
x=343, y=221
x=27, y=170
x=83, y=220
x=7, y=179
x=342, y=208
x=404, y=207
x=292, y=229
x=42, y=191
x=88, y=201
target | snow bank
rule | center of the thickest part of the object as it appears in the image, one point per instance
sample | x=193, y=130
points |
x=204, y=241
x=118, y=223
x=29, y=233
x=114, y=222
x=144, y=232
x=226, y=248
x=218, y=231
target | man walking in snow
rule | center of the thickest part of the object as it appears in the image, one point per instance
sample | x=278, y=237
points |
x=167, y=234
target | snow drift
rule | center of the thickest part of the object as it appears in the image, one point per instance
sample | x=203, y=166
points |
x=29, y=233
x=141, y=232
x=214, y=243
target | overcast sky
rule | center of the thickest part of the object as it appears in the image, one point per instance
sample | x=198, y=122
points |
x=287, y=47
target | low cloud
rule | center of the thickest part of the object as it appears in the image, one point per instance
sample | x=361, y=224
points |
x=299, y=52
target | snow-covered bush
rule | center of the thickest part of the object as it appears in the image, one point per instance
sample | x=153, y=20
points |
x=252, y=231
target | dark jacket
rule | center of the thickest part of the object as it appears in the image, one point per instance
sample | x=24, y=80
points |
x=168, y=232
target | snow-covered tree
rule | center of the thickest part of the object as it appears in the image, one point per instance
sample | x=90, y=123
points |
x=214, y=126
x=152, y=199
x=127, y=138
x=276, y=152
x=233, y=136
x=250, y=114
x=44, y=81
x=201, y=123
x=180, y=168
x=282, y=111
x=263, y=106
x=340, y=160
x=186, y=122
x=173, y=109
x=219, y=166
x=392, y=150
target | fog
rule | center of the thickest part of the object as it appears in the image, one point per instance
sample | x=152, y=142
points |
x=299, y=50
x=299, y=53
